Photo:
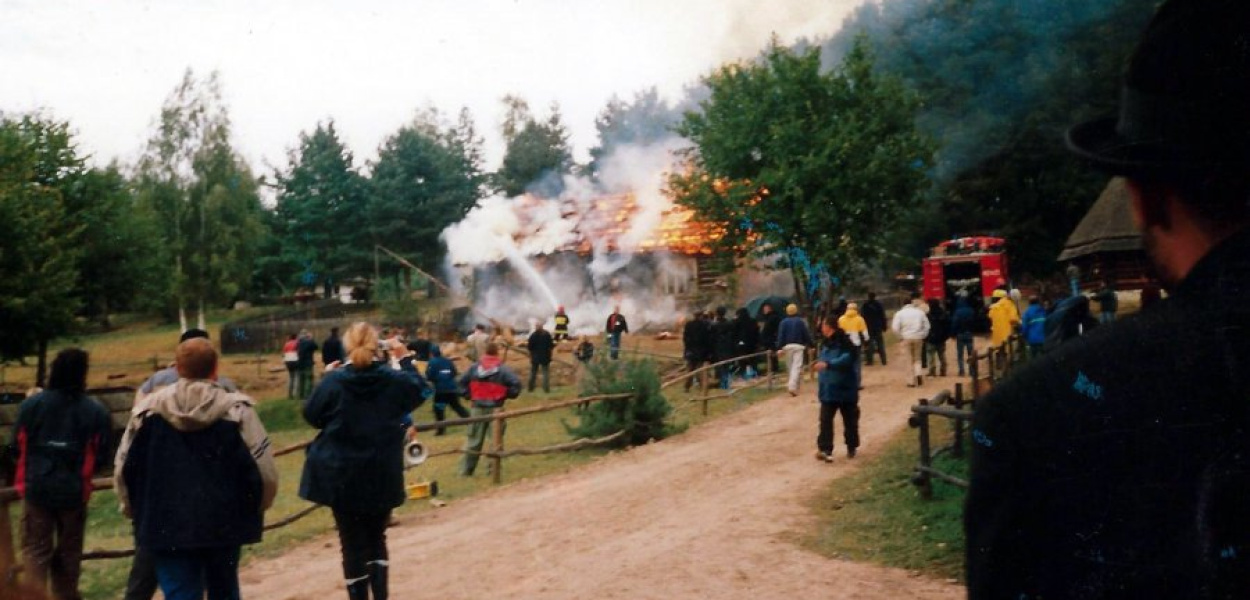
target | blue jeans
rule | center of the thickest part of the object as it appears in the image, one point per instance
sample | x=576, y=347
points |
x=187, y=574
x=614, y=345
x=963, y=345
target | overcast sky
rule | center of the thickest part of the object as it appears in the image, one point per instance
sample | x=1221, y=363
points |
x=106, y=66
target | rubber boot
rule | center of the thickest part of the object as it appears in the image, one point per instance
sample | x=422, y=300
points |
x=358, y=589
x=377, y=579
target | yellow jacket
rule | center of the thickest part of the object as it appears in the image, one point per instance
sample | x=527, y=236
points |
x=1004, y=318
x=854, y=325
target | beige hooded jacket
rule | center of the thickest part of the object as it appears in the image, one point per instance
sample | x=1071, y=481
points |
x=191, y=405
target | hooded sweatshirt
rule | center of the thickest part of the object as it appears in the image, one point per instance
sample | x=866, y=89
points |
x=490, y=382
x=356, y=463
x=854, y=326
x=193, y=405
x=195, y=468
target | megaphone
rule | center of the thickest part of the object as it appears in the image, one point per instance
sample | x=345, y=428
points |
x=414, y=453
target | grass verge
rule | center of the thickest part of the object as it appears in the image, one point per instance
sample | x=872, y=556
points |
x=876, y=514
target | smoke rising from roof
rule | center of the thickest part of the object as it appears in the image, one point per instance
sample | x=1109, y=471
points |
x=542, y=237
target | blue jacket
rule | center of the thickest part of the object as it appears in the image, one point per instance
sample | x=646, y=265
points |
x=838, y=383
x=1035, y=324
x=442, y=373
x=356, y=463
x=793, y=330
x=961, y=319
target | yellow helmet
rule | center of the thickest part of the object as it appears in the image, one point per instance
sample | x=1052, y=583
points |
x=1000, y=293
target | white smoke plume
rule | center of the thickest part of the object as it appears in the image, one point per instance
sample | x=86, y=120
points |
x=540, y=240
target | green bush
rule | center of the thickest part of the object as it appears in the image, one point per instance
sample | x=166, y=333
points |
x=644, y=415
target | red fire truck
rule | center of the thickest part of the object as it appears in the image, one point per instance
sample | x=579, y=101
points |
x=975, y=264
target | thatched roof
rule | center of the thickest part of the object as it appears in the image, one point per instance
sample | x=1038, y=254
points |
x=1107, y=227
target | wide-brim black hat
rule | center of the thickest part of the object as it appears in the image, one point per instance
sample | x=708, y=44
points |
x=1185, y=104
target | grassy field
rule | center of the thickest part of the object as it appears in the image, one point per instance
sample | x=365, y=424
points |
x=131, y=351
x=877, y=515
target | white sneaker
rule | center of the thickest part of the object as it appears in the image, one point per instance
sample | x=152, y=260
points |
x=825, y=457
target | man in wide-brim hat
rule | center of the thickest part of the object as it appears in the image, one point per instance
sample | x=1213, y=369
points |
x=1118, y=465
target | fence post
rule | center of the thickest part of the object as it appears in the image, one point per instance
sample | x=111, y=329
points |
x=991, y=359
x=7, y=557
x=705, y=390
x=926, y=456
x=497, y=426
x=957, y=448
x=768, y=364
x=974, y=373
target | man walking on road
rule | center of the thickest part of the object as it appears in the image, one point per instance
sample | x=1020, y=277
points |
x=912, y=327
x=1112, y=467
x=793, y=339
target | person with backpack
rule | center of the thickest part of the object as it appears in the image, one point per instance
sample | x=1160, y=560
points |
x=441, y=373
x=62, y=438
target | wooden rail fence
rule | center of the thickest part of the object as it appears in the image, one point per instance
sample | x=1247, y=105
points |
x=495, y=454
x=960, y=409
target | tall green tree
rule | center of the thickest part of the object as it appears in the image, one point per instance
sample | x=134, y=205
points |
x=537, y=151
x=646, y=119
x=427, y=176
x=204, y=197
x=38, y=262
x=319, y=193
x=122, y=263
x=814, y=166
x=1001, y=81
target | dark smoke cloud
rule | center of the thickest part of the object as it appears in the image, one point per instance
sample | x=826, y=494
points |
x=980, y=65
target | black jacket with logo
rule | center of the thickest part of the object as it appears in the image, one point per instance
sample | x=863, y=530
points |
x=1118, y=465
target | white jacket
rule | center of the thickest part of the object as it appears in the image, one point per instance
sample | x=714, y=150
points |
x=910, y=323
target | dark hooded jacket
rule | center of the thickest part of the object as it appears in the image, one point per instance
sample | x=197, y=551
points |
x=356, y=462
x=746, y=333
x=696, y=339
x=441, y=372
x=540, y=346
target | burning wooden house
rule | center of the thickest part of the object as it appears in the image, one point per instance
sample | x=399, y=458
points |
x=603, y=250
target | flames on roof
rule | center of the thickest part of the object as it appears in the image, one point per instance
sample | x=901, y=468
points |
x=610, y=223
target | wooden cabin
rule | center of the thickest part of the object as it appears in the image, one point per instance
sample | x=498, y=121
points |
x=1106, y=244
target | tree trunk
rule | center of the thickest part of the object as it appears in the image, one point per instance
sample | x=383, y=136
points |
x=182, y=317
x=199, y=321
x=41, y=369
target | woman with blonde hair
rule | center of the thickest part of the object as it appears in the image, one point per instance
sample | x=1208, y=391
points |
x=355, y=465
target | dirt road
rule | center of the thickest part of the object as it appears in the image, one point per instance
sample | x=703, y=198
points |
x=705, y=515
